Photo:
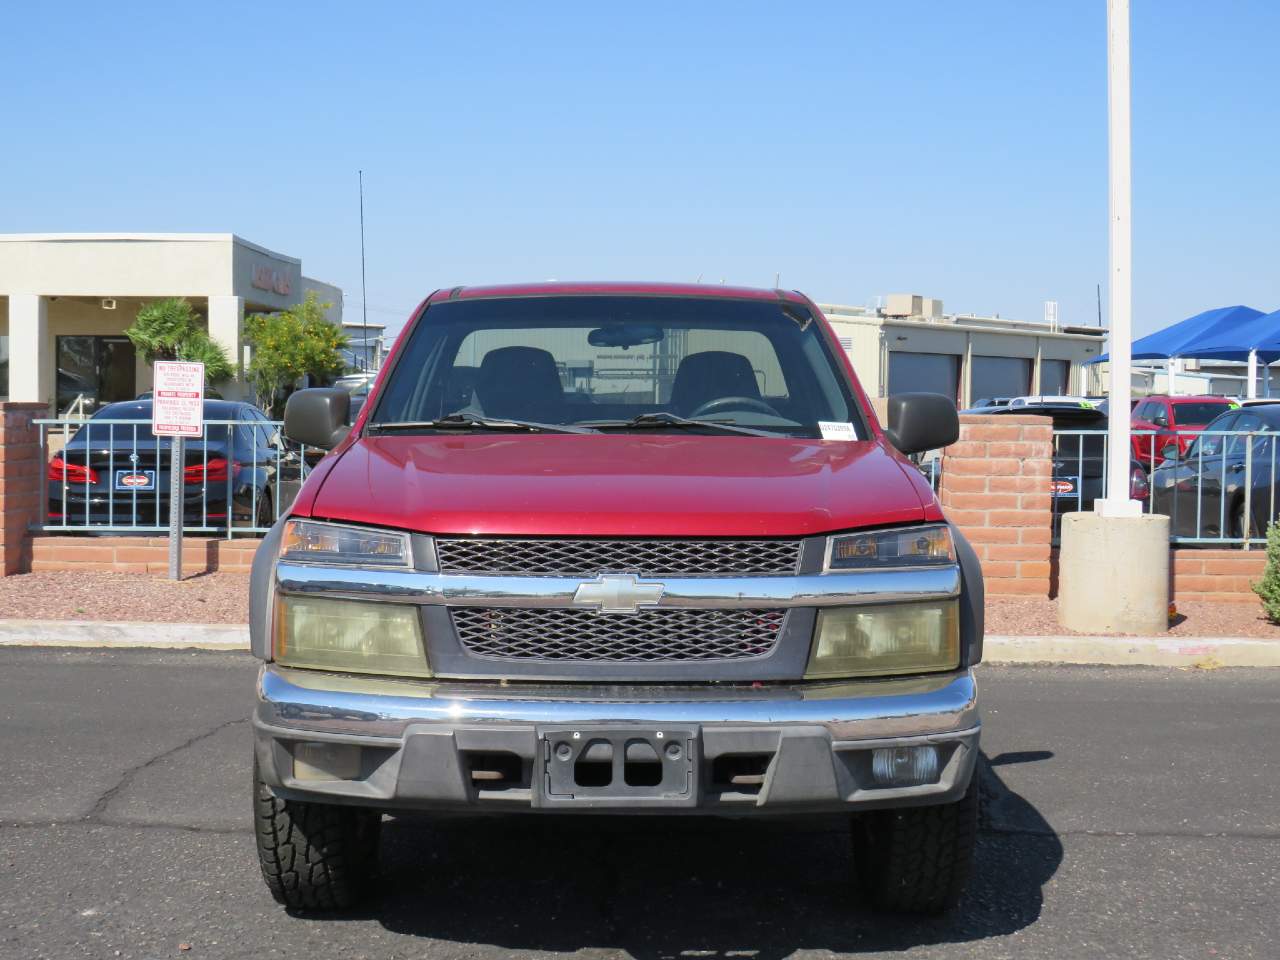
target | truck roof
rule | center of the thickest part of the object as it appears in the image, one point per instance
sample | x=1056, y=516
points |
x=558, y=288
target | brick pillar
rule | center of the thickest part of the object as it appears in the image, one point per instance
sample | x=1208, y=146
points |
x=21, y=467
x=995, y=488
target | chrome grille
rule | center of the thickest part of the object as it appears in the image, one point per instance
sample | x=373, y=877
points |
x=648, y=636
x=586, y=558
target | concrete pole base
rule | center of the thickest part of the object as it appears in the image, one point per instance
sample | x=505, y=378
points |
x=1113, y=574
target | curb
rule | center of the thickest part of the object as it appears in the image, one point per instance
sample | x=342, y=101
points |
x=94, y=633
x=1199, y=652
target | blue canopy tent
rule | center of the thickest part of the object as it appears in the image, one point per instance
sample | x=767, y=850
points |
x=1183, y=339
x=1251, y=341
x=1260, y=335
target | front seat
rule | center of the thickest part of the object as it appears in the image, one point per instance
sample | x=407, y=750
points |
x=520, y=383
x=710, y=375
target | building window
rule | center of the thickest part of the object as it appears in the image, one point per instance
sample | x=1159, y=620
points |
x=1055, y=377
x=99, y=369
x=924, y=372
x=1000, y=377
x=4, y=367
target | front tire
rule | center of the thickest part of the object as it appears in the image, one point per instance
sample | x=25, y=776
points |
x=916, y=859
x=314, y=856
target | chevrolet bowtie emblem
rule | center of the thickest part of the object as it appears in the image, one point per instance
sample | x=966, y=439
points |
x=617, y=594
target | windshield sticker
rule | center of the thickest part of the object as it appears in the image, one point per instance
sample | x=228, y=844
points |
x=835, y=430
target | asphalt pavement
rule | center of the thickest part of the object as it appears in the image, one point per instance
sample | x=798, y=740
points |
x=1130, y=812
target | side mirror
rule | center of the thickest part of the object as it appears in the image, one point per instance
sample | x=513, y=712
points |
x=922, y=421
x=1161, y=421
x=317, y=417
x=1170, y=452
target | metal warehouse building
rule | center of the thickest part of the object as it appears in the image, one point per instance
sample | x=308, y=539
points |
x=909, y=344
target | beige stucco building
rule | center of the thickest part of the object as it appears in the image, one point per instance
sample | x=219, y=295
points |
x=66, y=299
x=910, y=343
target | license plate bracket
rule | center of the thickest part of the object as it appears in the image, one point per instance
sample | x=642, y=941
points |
x=143, y=480
x=616, y=766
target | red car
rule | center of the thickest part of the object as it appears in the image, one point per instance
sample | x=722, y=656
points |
x=1172, y=420
x=617, y=548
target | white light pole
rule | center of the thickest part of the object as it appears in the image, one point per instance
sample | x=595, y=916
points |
x=1113, y=565
x=1117, y=502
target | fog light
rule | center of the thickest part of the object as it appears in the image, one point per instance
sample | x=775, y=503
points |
x=325, y=761
x=904, y=766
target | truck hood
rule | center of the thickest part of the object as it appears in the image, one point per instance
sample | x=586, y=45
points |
x=618, y=485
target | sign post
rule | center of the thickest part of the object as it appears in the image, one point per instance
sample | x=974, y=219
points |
x=177, y=411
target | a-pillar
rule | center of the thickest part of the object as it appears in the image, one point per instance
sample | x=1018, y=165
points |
x=226, y=326
x=29, y=369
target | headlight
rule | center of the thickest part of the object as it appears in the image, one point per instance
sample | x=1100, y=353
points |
x=882, y=639
x=309, y=541
x=886, y=549
x=349, y=635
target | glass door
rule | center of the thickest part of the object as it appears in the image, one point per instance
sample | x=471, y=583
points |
x=98, y=369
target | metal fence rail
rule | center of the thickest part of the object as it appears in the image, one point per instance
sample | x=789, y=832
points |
x=112, y=476
x=1218, y=487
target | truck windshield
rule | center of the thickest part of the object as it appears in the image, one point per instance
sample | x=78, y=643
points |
x=615, y=363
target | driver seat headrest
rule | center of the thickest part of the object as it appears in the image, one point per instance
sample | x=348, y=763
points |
x=710, y=375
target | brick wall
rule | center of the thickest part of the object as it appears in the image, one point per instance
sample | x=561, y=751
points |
x=1215, y=574
x=141, y=554
x=995, y=488
x=21, y=466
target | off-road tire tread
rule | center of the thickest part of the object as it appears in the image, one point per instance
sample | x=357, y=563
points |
x=314, y=856
x=917, y=859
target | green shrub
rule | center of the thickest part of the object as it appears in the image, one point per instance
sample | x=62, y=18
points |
x=1268, y=588
x=171, y=330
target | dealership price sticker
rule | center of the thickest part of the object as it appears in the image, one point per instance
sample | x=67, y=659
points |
x=177, y=406
x=835, y=430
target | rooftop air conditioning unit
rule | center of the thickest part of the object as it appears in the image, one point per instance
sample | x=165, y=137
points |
x=903, y=305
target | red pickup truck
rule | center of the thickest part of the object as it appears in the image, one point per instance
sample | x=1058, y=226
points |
x=617, y=548
x=1163, y=421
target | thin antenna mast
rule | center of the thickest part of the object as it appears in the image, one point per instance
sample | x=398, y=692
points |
x=1099, y=305
x=364, y=292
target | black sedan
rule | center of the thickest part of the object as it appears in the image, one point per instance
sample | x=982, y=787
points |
x=113, y=473
x=1204, y=490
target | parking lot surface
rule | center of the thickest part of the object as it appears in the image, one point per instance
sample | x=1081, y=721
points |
x=1129, y=812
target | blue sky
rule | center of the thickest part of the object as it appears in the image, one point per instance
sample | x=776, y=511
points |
x=954, y=150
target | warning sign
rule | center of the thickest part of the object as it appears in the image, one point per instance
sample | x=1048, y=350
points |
x=177, y=406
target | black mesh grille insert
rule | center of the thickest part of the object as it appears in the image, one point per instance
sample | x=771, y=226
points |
x=647, y=636
x=586, y=558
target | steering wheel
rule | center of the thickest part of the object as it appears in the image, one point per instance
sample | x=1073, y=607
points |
x=733, y=403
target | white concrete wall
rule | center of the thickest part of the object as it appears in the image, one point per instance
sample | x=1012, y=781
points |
x=116, y=267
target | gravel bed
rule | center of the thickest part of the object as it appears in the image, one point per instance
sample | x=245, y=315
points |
x=65, y=595
x=1038, y=617
x=224, y=598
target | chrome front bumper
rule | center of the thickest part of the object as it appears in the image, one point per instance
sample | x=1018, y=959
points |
x=420, y=740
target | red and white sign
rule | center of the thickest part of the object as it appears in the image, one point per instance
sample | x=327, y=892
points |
x=177, y=406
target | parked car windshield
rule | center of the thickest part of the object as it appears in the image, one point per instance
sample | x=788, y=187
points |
x=599, y=362
x=1197, y=414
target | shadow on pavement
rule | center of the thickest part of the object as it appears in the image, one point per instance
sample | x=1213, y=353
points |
x=672, y=887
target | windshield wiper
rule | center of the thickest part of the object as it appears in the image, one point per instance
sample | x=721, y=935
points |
x=661, y=418
x=468, y=421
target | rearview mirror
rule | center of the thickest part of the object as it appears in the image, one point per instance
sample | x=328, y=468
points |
x=624, y=335
x=317, y=417
x=922, y=421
